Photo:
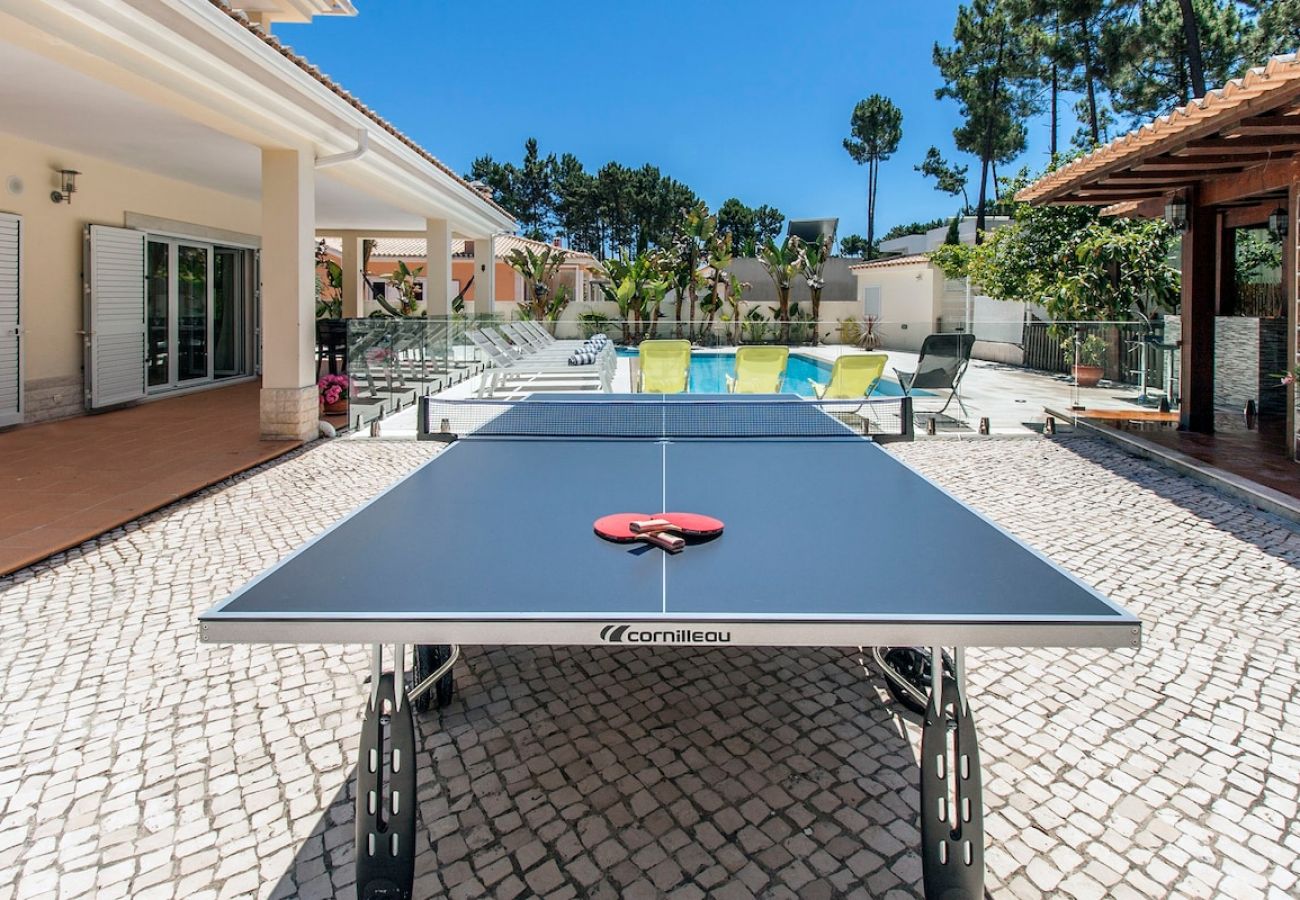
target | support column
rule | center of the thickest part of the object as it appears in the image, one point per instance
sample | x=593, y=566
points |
x=1226, y=266
x=289, y=403
x=485, y=275
x=1200, y=245
x=437, y=268
x=354, y=294
x=1291, y=296
x=578, y=285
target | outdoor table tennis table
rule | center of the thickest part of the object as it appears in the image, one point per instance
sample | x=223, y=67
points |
x=829, y=541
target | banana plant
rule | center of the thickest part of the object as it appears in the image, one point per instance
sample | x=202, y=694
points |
x=812, y=268
x=403, y=278
x=637, y=286
x=783, y=262
x=690, y=247
x=539, y=270
x=715, y=278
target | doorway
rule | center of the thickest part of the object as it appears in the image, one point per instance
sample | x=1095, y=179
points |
x=198, y=312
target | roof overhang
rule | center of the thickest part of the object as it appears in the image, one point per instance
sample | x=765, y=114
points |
x=293, y=10
x=205, y=92
x=1239, y=146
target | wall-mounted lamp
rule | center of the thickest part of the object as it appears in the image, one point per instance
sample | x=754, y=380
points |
x=1279, y=222
x=1176, y=212
x=68, y=185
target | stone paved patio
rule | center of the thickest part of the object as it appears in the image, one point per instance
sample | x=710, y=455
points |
x=135, y=762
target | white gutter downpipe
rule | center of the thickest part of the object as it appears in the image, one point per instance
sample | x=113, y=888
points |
x=363, y=147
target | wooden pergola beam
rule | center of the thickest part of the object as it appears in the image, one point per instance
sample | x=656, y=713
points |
x=1209, y=161
x=1267, y=125
x=1240, y=146
x=1271, y=176
x=1246, y=216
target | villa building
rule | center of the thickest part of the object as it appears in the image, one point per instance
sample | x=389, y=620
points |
x=908, y=297
x=165, y=169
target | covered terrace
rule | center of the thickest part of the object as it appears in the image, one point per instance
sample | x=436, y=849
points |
x=1226, y=162
x=164, y=170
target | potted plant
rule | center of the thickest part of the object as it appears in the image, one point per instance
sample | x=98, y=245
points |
x=870, y=339
x=1087, y=365
x=334, y=391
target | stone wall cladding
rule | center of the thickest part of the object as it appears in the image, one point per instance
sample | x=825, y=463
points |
x=45, y=399
x=1248, y=355
x=290, y=413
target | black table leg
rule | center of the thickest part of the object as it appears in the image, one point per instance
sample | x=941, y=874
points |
x=952, y=803
x=386, y=831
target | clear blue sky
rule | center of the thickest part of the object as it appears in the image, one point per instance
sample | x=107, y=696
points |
x=735, y=99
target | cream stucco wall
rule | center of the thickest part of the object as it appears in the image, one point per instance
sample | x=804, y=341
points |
x=911, y=301
x=52, y=236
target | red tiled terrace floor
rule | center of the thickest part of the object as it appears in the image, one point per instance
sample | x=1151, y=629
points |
x=65, y=482
x=1259, y=454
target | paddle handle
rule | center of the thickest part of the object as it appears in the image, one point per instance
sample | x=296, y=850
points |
x=651, y=526
x=669, y=542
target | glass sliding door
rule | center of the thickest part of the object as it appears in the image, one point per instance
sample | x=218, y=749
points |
x=229, y=312
x=158, y=312
x=193, y=312
x=199, y=306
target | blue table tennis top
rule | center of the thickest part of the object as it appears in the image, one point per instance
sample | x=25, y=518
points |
x=827, y=527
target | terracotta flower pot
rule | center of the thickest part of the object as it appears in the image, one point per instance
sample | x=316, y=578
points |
x=1087, y=376
x=337, y=408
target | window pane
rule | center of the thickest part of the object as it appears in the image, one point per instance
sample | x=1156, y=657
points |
x=156, y=307
x=192, y=312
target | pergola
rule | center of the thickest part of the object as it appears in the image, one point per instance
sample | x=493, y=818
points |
x=1232, y=158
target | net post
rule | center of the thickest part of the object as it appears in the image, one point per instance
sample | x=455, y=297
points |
x=905, y=413
x=422, y=418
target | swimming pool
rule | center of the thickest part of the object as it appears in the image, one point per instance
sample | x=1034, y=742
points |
x=709, y=373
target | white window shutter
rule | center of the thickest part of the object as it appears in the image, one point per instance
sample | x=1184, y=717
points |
x=115, y=316
x=11, y=333
x=871, y=301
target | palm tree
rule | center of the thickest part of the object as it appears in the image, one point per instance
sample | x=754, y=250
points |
x=539, y=270
x=782, y=262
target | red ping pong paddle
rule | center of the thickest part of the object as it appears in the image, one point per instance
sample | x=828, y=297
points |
x=693, y=525
x=618, y=528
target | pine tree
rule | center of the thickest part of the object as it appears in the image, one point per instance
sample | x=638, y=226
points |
x=992, y=70
x=875, y=130
x=1153, y=62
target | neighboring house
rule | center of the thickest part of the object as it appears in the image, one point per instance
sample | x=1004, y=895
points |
x=578, y=273
x=203, y=170
x=924, y=242
x=908, y=297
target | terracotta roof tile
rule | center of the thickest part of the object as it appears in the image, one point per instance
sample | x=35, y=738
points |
x=1263, y=88
x=911, y=260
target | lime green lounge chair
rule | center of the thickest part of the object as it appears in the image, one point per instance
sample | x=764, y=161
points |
x=665, y=366
x=853, y=377
x=759, y=370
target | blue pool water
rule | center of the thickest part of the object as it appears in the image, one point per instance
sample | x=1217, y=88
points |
x=709, y=373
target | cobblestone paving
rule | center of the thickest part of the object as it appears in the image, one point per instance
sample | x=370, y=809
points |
x=135, y=762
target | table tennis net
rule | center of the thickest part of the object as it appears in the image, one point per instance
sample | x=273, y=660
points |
x=882, y=419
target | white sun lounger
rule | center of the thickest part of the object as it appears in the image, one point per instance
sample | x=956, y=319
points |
x=541, y=374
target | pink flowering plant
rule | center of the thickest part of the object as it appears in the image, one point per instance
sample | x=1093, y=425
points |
x=1289, y=377
x=333, y=388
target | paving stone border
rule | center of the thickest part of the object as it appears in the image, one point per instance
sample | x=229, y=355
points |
x=135, y=762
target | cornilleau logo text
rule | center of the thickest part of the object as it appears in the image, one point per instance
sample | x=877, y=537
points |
x=629, y=634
